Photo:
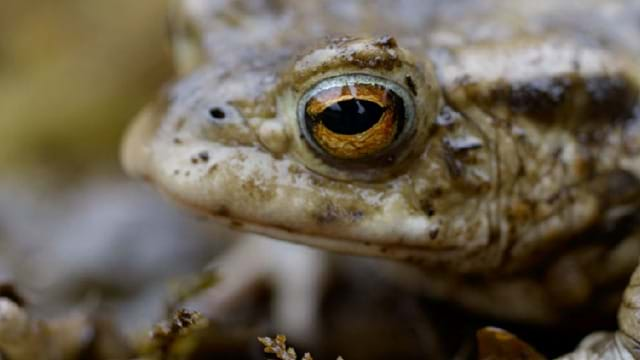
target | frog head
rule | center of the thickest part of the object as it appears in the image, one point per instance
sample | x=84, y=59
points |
x=348, y=146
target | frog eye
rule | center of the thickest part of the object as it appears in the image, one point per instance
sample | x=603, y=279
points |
x=356, y=116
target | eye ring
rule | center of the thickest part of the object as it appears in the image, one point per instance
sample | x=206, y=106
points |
x=388, y=130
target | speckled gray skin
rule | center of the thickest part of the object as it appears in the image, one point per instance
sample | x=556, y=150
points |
x=518, y=194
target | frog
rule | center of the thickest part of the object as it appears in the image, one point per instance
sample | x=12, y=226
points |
x=491, y=150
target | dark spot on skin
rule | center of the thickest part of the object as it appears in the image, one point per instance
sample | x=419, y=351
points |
x=201, y=156
x=433, y=233
x=176, y=172
x=454, y=166
x=538, y=96
x=187, y=173
x=366, y=243
x=317, y=181
x=10, y=292
x=602, y=99
x=365, y=60
x=339, y=41
x=257, y=191
x=177, y=141
x=427, y=208
x=611, y=97
x=332, y=214
x=217, y=113
x=241, y=157
x=212, y=169
x=204, y=156
x=386, y=42
x=235, y=224
x=284, y=228
x=223, y=211
x=411, y=85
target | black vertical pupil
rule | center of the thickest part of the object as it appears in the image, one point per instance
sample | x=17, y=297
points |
x=350, y=117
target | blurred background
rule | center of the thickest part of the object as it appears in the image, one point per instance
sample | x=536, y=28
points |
x=75, y=233
x=72, y=227
x=72, y=74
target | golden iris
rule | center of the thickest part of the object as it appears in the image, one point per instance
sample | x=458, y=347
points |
x=354, y=121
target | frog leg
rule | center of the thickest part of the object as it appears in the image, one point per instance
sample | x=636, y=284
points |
x=629, y=315
x=591, y=274
x=296, y=275
x=623, y=344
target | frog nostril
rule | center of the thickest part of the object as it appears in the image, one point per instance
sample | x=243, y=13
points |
x=217, y=113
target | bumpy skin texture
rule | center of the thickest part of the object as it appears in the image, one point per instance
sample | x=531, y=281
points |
x=522, y=176
x=521, y=154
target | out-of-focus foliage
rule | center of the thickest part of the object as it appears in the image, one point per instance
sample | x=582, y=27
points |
x=72, y=74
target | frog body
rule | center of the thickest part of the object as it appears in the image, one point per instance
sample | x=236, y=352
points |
x=504, y=155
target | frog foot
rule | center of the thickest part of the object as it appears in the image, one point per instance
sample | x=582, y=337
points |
x=296, y=276
x=623, y=344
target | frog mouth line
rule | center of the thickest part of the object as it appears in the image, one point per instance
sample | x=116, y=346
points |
x=339, y=245
x=349, y=246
